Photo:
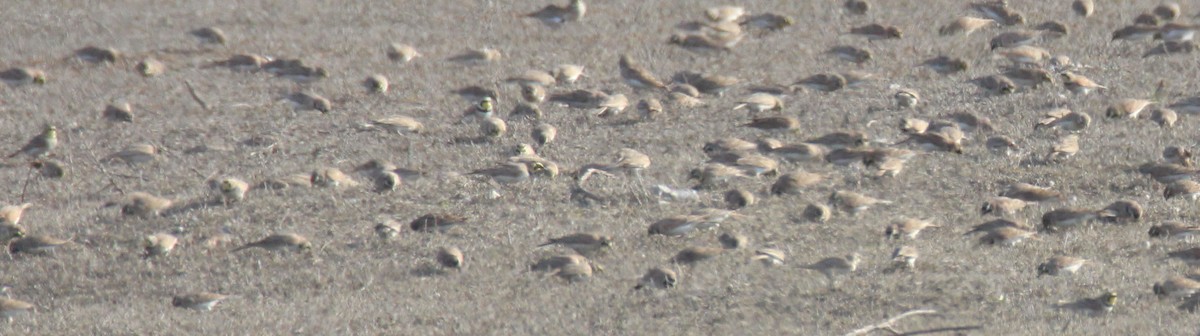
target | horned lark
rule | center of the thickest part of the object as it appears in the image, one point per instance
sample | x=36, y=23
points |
x=478, y=56
x=658, y=278
x=40, y=145
x=376, y=83
x=908, y=228
x=934, y=142
x=1168, y=11
x=1079, y=84
x=611, y=105
x=996, y=84
x=150, y=67
x=1176, y=32
x=10, y=308
x=492, y=128
x=711, y=174
x=1147, y=19
x=543, y=134
x=1177, y=287
x=35, y=244
x=450, y=257
x=1178, y=155
x=118, y=112
x=92, y=54
x=23, y=76
x=998, y=10
x=840, y=139
x=402, y=52
x=1058, y=219
x=650, y=108
x=533, y=78
x=750, y=164
x=1026, y=77
x=1014, y=39
x=507, y=173
x=143, y=204
x=857, y=7
x=728, y=145
x=774, y=123
x=232, y=189
x=1167, y=172
x=692, y=255
x=1098, y=305
x=946, y=65
x=553, y=263
x=823, y=82
x=852, y=202
x=1053, y=29
x=399, y=124
x=533, y=94
x=834, y=266
x=706, y=41
x=575, y=272
x=674, y=226
x=567, y=73
x=1003, y=145
x=1007, y=236
x=1122, y=211
x=769, y=256
x=583, y=243
x=1164, y=117
x=877, y=31
x=995, y=224
x=907, y=98
x=243, y=62
x=1183, y=188
x=331, y=178
x=905, y=256
x=280, y=242
x=11, y=214
x=1135, y=32
x=159, y=244
x=1002, y=206
x=630, y=161
x=638, y=77
x=706, y=83
x=733, y=241
x=1031, y=193
x=964, y=25
x=1064, y=119
x=1061, y=265
x=738, y=198
x=310, y=101
x=581, y=98
x=556, y=15
x=767, y=21
x=847, y=156
x=1065, y=147
x=388, y=229
x=295, y=70
x=795, y=183
x=437, y=222
x=202, y=301
x=1084, y=8
x=1026, y=55
x=800, y=152
x=818, y=213
x=209, y=35
x=851, y=54
x=134, y=154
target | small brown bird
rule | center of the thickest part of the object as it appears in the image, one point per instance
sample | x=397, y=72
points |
x=209, y=35
x=1167, y=11
x=402, y=52
x=35, y=244
x=1177, y=287
x=478, y=56
x=738, y=199
x=533, y=77
x=908, y=228
x=1064, y=119
x=658, y=278
x=964, y=25
x=650, y=108
x=834, y=266
x=331, y=178
x=11, y=214
x=675, y=226
x=310, y=101
x=544, y=134
x=533, y=94
x=398, y=124
x=134, y=154
x=92, y=54
x=733, y=240
x=441, y=222
x=1031, y=193
x=150, y=67
x=851, y=54
x=555, y=15
x=1007, y=236
x=1059, y=219
x=1136, y=32
x=1167, y=172
x=774, y=123
x=1065, y=147
x=202, y=301
x=823, y=82
x=1025, y=55
x=450, y=257
x=583, y=243
x=1183, y=188
x=638, y=77
x=877, y=31
x=1098, y=305
x=935, y=142
x=1028, y=77
x=853, y=202
x=1000, y=11
x=998, y=223
x=118, y=112
x=10, y=308
x=1171, y=229
x=996, y=84
x=388, y=229
x=1014, y=39
x=142, y=204
x=721, y=42
x=1127, y=108
x=1002, y=206
x=40, y=145
x=1084, y=8
x=946, y=65
x=907, y=98
x=1123, y=211
x=159, y=244
x=857, y=7
x=759, y=102
x=795, y=183
x=1003, y=145
x=1061, y=265
x=280, y=242
x=769, y=256
x=906, y=256
x=376, y=83
x=818, y=213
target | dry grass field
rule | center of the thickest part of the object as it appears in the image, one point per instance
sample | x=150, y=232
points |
x=352, y=282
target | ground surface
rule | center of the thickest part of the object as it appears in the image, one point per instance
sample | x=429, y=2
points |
x=356, y=284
